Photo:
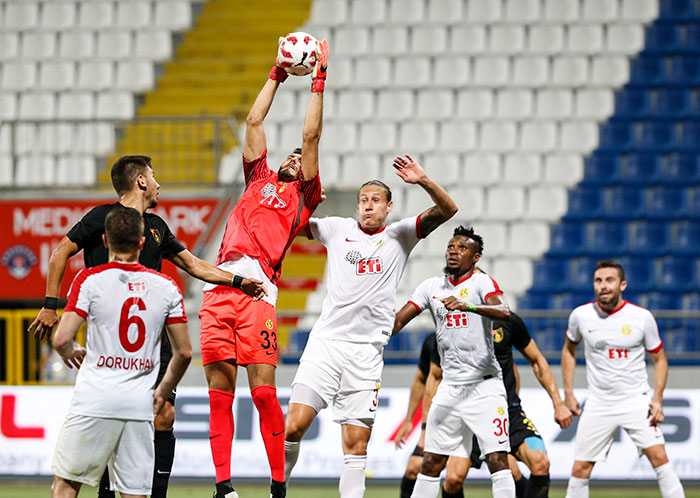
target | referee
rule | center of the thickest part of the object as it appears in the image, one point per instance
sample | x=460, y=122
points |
x=135, y=184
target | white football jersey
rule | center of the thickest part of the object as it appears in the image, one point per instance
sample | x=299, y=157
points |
x=362, y=273
x=126, y=307
x=614, y=347
x=465, y=340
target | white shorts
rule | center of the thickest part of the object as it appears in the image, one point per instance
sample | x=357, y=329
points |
x=600, y=421
x=345, y=373
x=87, y=444
x=460, y=411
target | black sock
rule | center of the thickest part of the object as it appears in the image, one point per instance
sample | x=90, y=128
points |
x=521, y=487
x=224, y=487
x=407, y=486
x=278, y=489
x=538, y=487
x=103, y=490
x=165, y=453
x=458, y=494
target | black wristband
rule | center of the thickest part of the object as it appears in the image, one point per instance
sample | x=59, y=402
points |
x=236, y=282
x=50, y=303
x=422, y=426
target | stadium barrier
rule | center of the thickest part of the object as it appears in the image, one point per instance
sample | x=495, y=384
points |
x=28, y=435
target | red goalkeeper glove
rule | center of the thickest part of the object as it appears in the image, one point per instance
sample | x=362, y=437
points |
x=277, y=73
x=318, y=76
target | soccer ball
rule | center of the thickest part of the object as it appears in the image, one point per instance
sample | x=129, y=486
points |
x=297, y=53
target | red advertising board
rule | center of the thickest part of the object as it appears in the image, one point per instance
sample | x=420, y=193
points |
x=33, y=228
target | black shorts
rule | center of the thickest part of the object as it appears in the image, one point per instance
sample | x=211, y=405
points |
x=520, y=428
x=417, y=452
x=166, y=353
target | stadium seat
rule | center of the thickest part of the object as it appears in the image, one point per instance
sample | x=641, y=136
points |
x=135, y=76
x=676, y=10
x=96, y=15
x=661, y=39
x=641, y=169
x=632, y=103
x=546, y=203
x=469, y=39
x=561, y=11
x=154, y=45
x=522, y=11
x=610, y=71
x=435, y=104
x=37, y=106
x=25, y=138
x=498, y=136
x=595, y=103
x=446, y=165
x=579, y=136
x=328, y=12
x=585, y=38
x=505, y=203
x=406, y=11
x=9, y=45
x=451, y=71
x=677, y=274
x=647, y=71
x=35, y=170
x=535, y=301
x=372, y=72
x=522, y=169
x=174, y=15
x=691, y=301
x=6, y=170
x=686, y=238
x=491, y=71
x=38, y=45
x=563, y=169
x=21, y=15
x=8, y=106
x=58, y=16
x=430, y=40
x=514, y=104
x=446, y=11
x=470, y=199
x=691, y=40
x=377, y=137
x=484, y=11
x=571, y=300
x=76, y=45
x=530, y=72
x=672, y=104
x=617, y=136
x=475, y=104
x=368, y=12
x=667, y=203
x=602, y=169
x=95, y=138
x=18, y=75
x=506, y=39
x=457, y=136
x=568, y=239
x=514, y=275
x=395, y=104
x=535, y=233
x=684, y=71
x=569, y=71
x=599, y=10
x=681, y=169
x=338, y=136
x=115, y=105
x=114, y=44
x=356, y=105
x=693, y=197
x=639, y=273
x=545, y=39
x=664, y=301
x=551, y=275
x=625, y=39
x=539, y=136
x=495, y=234
x=352, y=40
x=582, y=270
x=640, y=10
x=356, y=170
x=75, y=170
x=650, y=239
x=57, y=75
x=76, y=105
x=585, y=203
x=482, y=169
x=608, y=239
x=554, y=104
x=690, y=136
x=134, y=14
x=418, y=136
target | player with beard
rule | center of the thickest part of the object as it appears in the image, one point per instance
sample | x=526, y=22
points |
x=616, y=334
x=134, y=181
x=471, y=399
x=235, y=329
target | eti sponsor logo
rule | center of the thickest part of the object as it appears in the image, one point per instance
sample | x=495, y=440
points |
x=618, y=353
x=136, y=286
x=270, y=197
x=19, y=261
x=369, y=266
x=457, y=320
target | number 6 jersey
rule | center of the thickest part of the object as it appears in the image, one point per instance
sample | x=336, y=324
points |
x=126, y=306
x=464, y=340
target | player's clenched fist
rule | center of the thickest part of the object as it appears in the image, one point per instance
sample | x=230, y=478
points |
x=44, y=324
x=254, y=288
x=563, y=416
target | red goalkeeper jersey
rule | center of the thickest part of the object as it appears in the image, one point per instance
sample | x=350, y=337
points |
x=268, y=216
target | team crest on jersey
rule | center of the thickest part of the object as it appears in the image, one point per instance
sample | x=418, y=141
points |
x=498, y=334
x=369, y=266
x=269, y=324
x=380, y=242
x=156, y=235
x=626, y=330
x=270, y=197
x=463, y=293
x=501, y=411
x=19, y=261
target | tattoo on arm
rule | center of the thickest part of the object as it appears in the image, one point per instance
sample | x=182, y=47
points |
x=430, y=219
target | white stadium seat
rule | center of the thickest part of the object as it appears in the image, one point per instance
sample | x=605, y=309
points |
x=8, y=106
x=435, y=104
x=329, y=12
x=444, y=165
x=554, y=103
x=570, y=71
x=514, y=275
x=491, y=71
x=354, y=173
x=522, y=11
x=38, y=45
x=115, y=105
x=531, y=72
x=35, y=170
x=597, y=103
x=506, y=39
x=484, y=11
x=562, y=11
x=372, y=72
x=546, y=203
x=284, y=106
x=599, y=10
x=58, y=15
x=482, y=169
x=445, y=11
x=135, y=76
x=395, y=104
x=467, y=39
x=173, y=14
x=57, y=75
x=514, y=104
x=610, y=71
x=351, y=41
x=356, y=105
x=546, y=39
x=585, y=39
x=579, y=136
x=134, y=14
x=563, y=169
x=76, y=170
x=76, y=105
x=378, y=137
x=289, y=136
x=9, y=45
x=640, y=10
x=96, y=15
x=342, y=75
x=412, y=72
x=5, y=138
x=6, y=170
x=418, y=136
x=530, y=239
x=33, y=106
x=539, y=136
x=498, y=136
x=390, y=40
x=339, y=137
x=154, y=45
x=368, y=11
x=21, y=15
x=95, y=75
x=457, y=136
x=505, y=203
x=114, y=44
x=25, y=139
x=406, y=11
x=522, y=169
x=431, y=40
x=54, y=138
x=95, y=138
x=470, y=200
x=495, y=234
x=77, y=45
x=625, y=38
x=451, y=71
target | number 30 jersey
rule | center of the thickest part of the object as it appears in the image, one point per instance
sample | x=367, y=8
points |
x=464, y=340
x=126, y=306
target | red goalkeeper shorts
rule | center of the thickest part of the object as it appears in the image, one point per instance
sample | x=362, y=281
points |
x=234, y=327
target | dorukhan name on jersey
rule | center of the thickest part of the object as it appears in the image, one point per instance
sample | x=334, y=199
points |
x=125, y=363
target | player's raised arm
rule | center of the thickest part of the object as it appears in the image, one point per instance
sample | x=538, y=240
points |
x=656, y=410
x=63, y=342
x=445, y=207
x=496, y=307
x=568, y=365
x=182, y=355
x=313, y=123
x=203, y=270
x=46, y=320
x=404, y=315
x=562, y=414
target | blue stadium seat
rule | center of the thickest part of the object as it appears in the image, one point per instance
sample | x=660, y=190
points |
x=681, y=169
x=551, y=275
x=633, y=297
x=661, y=39
x=672, y=104
x=641, y=169
x=582, y=270
x=608, y=240
x=625, y=203
x=693, y=208
x=664, y=301
x=690, y=43
x=639, y=273
x=686, y=238
x=617, y=136
x=685, y=71
x=571, y=300
x=667, y=203
x=676, y=10
x=657, y=135
x=691, y=301
x=585, y=203
x=677, y=274
x=568, y=239
x=650, y=239
x=647, y=71
x=298, y=340
x=601, y=169
x=690, y=136
x=534, y=301
x=632, y=104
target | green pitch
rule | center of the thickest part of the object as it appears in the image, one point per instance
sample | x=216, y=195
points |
x=373, y=491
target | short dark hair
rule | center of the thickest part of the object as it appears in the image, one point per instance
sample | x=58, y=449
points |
x=608, y=263
x=124, y=229
x=382, y=185
x=297, y=151
x=469, y=232
x=126, y=169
